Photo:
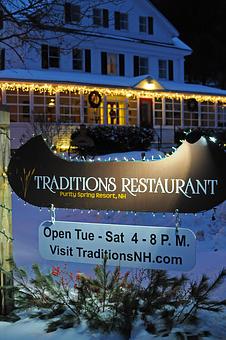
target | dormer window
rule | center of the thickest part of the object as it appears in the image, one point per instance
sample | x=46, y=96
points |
x=146, y=25
x=100, y=17
x=72, y=13
x=121, y=21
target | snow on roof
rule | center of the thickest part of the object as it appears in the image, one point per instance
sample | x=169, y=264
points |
x=180, y=44
x=49, y=76
x=69, y=77
x=194, y=88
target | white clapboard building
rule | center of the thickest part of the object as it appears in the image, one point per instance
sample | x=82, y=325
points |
x=112, y=64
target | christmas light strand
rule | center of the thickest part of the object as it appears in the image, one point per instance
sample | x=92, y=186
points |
x=9, y=238
x=3, y=206
x=52, y=89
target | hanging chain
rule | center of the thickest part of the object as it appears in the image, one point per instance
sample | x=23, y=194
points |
x=52, y=214
x=214, y=214
x=178, y=220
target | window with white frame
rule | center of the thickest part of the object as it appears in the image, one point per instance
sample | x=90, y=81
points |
x=141, y=66
x=50, y=56
x=121, y=21
x=166, y=69
x=163, y=69
x=112, y=64
x=172, y=112
x=100, y=17
x=221, y=115
x=69, y=107
x=44, y=107
x=77, y=59
x=72, y=13
x=207, y=114
x=191, y=114
x=18, y=102
x=146, y=25
x=54, y=56
x=93, y=115
x=116, y=110
x=132, y=112
x=158, y=109
x=81, y=59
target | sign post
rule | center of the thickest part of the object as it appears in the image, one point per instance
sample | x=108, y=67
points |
x=6, y=301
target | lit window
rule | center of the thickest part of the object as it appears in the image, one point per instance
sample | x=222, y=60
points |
x=111, y=64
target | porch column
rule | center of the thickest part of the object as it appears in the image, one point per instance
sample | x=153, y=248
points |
x=6, y=280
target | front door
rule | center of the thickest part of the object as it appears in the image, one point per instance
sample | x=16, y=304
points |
x=146, y=112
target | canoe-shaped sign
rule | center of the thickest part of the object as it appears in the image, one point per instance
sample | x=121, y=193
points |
x=192, y=179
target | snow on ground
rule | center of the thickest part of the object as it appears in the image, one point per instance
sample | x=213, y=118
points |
x=211, y=258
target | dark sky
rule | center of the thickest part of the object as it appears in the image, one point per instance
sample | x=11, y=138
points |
x=202, y=26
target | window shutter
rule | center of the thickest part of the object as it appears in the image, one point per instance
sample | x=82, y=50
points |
x=105, y=18
x=87, y=60
x=2, y=61
x=121, y=64
x=1, y=19
x=136, y=66
x=117, y=20
x=45, y=56
x=95, y=15
x=67, y=12
x=170, y=69
x=150, y=25
x=103, y=62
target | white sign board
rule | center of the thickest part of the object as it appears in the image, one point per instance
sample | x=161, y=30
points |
x=124, y=245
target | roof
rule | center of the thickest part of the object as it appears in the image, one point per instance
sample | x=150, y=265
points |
x=191, y=88
x=68, y=77
x=59, y=77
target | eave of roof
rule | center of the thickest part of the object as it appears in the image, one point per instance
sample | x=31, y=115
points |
x=104, y=81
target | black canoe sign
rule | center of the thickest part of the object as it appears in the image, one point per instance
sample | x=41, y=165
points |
x=192, y=179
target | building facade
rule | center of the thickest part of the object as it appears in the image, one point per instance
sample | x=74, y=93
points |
x=117, y=64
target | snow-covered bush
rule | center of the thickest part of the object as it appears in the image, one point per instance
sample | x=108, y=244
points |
x=112, y=301
x=110, y=139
